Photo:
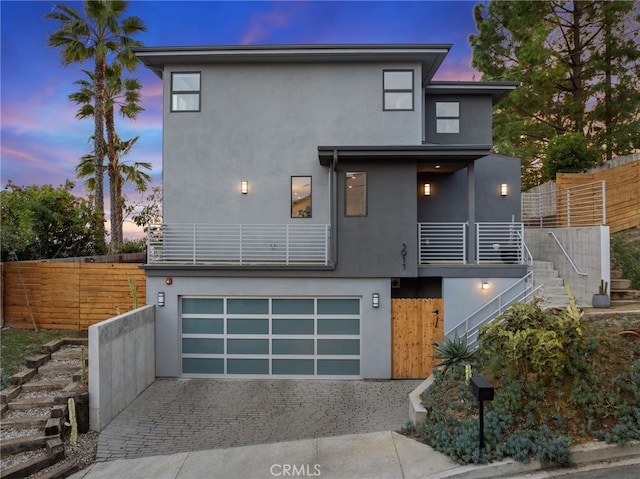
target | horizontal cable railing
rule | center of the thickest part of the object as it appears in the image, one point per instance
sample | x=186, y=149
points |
x=500, y=243
x=583, y=205
x=442, y=243
x=521, y=291
x=239, y=244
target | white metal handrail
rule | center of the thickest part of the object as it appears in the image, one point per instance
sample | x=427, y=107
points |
x=573, y=264
x=442, y=243
x=500, y=243
x=241, y=244
x=522, y=290
x=583, y=205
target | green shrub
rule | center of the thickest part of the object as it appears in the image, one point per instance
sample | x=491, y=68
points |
x=452, y=352
x=626, y=253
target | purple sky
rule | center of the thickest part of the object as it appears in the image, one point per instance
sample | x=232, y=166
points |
x=42, y=141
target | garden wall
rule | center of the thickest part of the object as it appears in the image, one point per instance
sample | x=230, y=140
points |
x=69, y=296
x=122, y=356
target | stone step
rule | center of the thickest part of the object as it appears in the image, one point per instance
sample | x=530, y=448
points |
x=48, y=385
x=31, y=403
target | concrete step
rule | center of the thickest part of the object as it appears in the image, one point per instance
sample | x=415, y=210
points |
x=548, y=281
x=557, y=291
x=545, y=273
x=538, y=264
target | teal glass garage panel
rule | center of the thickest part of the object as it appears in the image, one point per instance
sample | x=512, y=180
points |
x=292, y=326
x=292, y=306
x=247, y=306
x=247, y=346
x=339, y=347
x=303, y=367
x=292, y=346
x=202, y=366
x=202, y=346
x=339, y=326
x=202, y=306
x=338, y=306
x=339, y=367
x=247, y=326
x=202, y=326
x=247, y=366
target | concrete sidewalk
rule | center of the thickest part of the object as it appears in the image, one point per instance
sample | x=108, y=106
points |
x=379, y=455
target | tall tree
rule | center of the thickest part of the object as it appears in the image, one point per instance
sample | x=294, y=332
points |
x=125, y=94
x=121, y=173
x=100, y=34
x=579, y=67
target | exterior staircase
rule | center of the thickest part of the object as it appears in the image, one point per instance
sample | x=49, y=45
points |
x=553, y=290
x=621, y=292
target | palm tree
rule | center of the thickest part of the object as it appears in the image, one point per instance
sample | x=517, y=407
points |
x=100, y=34
x=122, y=173
x=118, y=92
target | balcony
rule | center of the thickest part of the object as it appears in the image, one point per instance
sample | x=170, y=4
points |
x=239, y=245
x=495, y=243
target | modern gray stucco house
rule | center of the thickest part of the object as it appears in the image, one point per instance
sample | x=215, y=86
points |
x=305, y=187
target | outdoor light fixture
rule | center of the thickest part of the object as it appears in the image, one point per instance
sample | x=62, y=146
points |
x=375, y=300
x=244, y=187
x=427, y=189
x=503, y=189
x=161, y=299
x=485, y=285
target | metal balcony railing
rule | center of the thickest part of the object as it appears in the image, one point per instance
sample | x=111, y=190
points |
x=234, y=245
x=442, y=243
x=500, y=243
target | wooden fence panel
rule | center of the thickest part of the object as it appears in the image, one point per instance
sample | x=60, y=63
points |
x=415, y=325
x=68, y=296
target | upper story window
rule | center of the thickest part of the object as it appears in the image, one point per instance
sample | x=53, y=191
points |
x=398, y=89
x=301, y=197
x=447, y=117
x=185, y=91
x=356, y=193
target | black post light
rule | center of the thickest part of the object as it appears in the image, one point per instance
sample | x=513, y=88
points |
x=482, y=391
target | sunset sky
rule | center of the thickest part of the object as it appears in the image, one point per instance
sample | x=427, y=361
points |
x=42, y=141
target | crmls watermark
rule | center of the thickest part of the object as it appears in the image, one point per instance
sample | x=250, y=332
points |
x=295, y=470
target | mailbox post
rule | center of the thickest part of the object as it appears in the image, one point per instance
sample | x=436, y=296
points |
x=482, y=391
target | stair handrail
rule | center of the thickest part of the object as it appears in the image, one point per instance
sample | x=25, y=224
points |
x=528, y=293
x=575, y=268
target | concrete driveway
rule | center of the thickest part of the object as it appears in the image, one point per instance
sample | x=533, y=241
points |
x=181, y=415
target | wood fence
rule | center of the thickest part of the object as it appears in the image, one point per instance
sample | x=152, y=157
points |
x=70, y=296
x=622, y=184
x=415, y=325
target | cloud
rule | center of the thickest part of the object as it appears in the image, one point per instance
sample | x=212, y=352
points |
x=264, y=24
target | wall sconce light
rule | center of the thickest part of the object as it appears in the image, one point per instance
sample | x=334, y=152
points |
x=427, y=189
x=375, y=300
x=161, y=299
x=503, y=189
x=485, y=285
x=244, y=187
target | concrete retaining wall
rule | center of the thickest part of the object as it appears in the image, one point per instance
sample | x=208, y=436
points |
x=588, y=247
x=121, y=363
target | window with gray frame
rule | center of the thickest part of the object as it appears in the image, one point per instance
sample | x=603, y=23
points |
x=301, y=197
x=447, y=117
x=185, y=91
x=355, y=193
x=397, y=89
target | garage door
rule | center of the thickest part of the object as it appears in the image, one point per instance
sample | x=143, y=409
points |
x=283, y=337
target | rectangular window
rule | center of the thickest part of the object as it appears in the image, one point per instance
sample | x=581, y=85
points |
x=447, y=117
x=397, y=88
x=185, y=91
x=356, y=193
x=301, y=197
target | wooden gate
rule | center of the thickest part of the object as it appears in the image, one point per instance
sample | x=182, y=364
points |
x=415, y=325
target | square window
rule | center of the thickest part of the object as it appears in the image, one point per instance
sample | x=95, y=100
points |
x=447, y=117
x=356, y=193
x=301, y=197
x=397, y=86
x=185, y=91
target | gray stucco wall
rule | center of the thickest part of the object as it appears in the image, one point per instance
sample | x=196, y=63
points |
x=263, y=123
x=475, y=120
x=375, y=326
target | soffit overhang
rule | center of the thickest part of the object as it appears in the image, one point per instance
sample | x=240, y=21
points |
x=430, y=56
x=497, y=90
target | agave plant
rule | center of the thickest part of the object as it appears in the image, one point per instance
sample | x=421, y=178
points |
x=452, y=351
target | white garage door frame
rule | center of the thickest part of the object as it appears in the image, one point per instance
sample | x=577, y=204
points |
x=291, y=337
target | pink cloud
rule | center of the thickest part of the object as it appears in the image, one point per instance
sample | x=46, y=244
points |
x=265, y=23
